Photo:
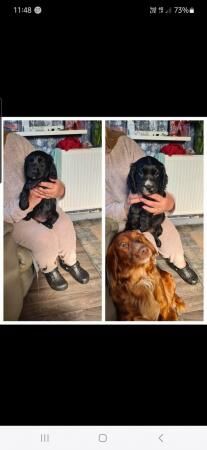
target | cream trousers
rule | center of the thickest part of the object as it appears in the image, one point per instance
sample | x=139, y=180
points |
x=171, y=245
x=47, y=244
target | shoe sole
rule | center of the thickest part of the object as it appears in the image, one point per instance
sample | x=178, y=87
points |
x=63, y=288
x=55, y=288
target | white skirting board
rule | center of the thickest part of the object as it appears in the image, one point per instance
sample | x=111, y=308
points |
x=85, y=215
x=186, y=220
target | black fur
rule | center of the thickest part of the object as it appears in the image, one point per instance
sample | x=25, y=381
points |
x=147, y=176
x=39, y=166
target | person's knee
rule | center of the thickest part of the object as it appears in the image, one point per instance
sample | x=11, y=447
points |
x=45, y=238
x=65, y=223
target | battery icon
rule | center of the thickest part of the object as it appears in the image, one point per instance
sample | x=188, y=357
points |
x=191, y=10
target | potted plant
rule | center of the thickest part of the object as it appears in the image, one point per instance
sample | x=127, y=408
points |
x=198, y=137
x=96, y=133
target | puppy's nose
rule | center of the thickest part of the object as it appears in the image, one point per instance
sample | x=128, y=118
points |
x=148, y=183
x=149, y=188
x=143, y=251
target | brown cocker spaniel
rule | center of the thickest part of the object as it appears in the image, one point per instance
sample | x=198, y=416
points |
x=139, y=289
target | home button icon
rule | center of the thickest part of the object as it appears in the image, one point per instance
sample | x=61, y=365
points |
x=102, y=437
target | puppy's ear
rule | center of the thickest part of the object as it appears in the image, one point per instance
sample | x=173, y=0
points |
x=112, y=265
x=26, y=162
x=24, y=199
x=53, y=171
x=51, y=167
x=131, y=183
x=163, y=179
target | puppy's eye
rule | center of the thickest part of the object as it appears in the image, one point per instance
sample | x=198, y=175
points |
x=156, y=173
x=140, y=173
x=123, y=245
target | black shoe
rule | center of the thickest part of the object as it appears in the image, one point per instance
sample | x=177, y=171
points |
x=76, y=271
x=187, y=274
x=56, y=281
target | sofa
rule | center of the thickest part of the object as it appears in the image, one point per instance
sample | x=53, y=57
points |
x=18, y=275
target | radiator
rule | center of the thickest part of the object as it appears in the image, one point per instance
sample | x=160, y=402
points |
x=185, y=182
x=80, y=171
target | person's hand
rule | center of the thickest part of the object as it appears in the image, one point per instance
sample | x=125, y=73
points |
x=132, y=198
x=50, y=189
x=34, y=199
x=159, y=204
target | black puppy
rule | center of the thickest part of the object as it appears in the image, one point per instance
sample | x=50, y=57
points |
x=147, y=176
x=39, y=166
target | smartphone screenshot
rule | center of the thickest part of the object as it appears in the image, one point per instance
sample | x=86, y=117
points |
x=103, y=307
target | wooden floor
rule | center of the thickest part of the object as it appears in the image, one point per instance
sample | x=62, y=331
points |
x=192, y=240
x=78, y=302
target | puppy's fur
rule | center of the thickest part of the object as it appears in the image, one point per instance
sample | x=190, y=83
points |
x=39, y=166
x=139, y=289
x=147, y=176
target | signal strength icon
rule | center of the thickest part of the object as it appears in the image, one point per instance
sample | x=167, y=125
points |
x=168, y=11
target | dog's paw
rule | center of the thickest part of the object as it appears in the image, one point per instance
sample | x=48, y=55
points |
x=48, y=225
